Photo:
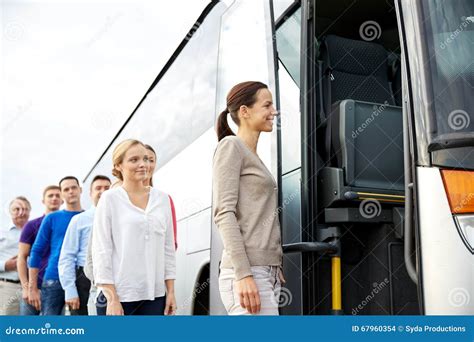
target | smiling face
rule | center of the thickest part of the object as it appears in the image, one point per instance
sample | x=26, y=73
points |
x=259, y=116
x=135, y=164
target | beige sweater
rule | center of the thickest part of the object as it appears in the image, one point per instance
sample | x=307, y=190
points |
x=245, y=200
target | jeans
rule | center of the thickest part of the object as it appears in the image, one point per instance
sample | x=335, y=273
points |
x=52, y=298
x=268, y=283
x=27, y=309
x=138, y=308
x=83, y=285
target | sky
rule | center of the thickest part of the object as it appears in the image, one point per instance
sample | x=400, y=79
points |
x=72, y=72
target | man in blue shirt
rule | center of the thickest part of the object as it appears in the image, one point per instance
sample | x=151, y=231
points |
x=52, y=202
x=51, y=234
x=73, y=252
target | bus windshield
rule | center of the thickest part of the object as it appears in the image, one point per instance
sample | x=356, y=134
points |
x=449, y=33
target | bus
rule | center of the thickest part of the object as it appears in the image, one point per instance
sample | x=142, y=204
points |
x=373, y=149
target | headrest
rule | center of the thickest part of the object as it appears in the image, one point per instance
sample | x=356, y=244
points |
x=355, y=56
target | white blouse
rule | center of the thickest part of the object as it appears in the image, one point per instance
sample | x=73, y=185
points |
x=133, y=248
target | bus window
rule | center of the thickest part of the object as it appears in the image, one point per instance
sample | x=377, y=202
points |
x=288, y=47
x=450, y=36
x=288, y=32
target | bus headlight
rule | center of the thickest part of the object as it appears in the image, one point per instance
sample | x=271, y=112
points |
x=465, y=225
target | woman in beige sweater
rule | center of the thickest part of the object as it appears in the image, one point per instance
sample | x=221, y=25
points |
x=245, y=200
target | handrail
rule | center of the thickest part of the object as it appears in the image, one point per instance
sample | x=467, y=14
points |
x=310, y=247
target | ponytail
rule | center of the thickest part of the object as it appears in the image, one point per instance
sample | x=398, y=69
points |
x=242, y=94
x=223, y=128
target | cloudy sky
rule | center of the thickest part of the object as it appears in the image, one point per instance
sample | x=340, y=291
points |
x=72, y=72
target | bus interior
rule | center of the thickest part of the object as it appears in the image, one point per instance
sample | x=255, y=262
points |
x=358, y=163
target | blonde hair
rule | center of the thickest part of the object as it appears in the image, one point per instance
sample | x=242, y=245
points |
x=119, y=154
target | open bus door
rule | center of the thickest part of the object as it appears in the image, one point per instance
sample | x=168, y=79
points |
x=438, y=55
x=343, y=198
x=377, y=213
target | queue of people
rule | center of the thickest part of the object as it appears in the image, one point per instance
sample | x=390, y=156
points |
x=43, y=260
x=118, y=257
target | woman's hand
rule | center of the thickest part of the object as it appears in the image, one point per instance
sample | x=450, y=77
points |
x=114, y=308
x=248, y=294
x=170, y=308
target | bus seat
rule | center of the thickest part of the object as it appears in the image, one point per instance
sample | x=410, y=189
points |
x=356, y=70
x=363, y=125
x=369, y=142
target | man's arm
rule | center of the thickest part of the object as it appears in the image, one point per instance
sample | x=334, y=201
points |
x=88, y=270
x=67, y=263
x=42, y=241
x=9, y=264
x=22, y=266
x=34, y=295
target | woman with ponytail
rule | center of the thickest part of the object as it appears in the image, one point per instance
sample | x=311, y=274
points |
x=245, y=200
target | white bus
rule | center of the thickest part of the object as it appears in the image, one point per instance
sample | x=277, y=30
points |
x=373, y=151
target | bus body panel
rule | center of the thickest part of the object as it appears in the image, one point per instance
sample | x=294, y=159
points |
x=447, y=284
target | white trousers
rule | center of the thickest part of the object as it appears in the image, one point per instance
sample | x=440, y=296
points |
x=268, y=283
x=10, y=296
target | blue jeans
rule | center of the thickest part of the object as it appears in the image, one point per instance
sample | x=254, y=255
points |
x=52, y=298
x=27, y=309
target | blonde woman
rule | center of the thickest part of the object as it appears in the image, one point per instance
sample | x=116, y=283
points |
x=245, y=205
x=133, y=246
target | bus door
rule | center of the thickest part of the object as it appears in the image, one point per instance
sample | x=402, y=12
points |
x=343, y=196
x=438, y=57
